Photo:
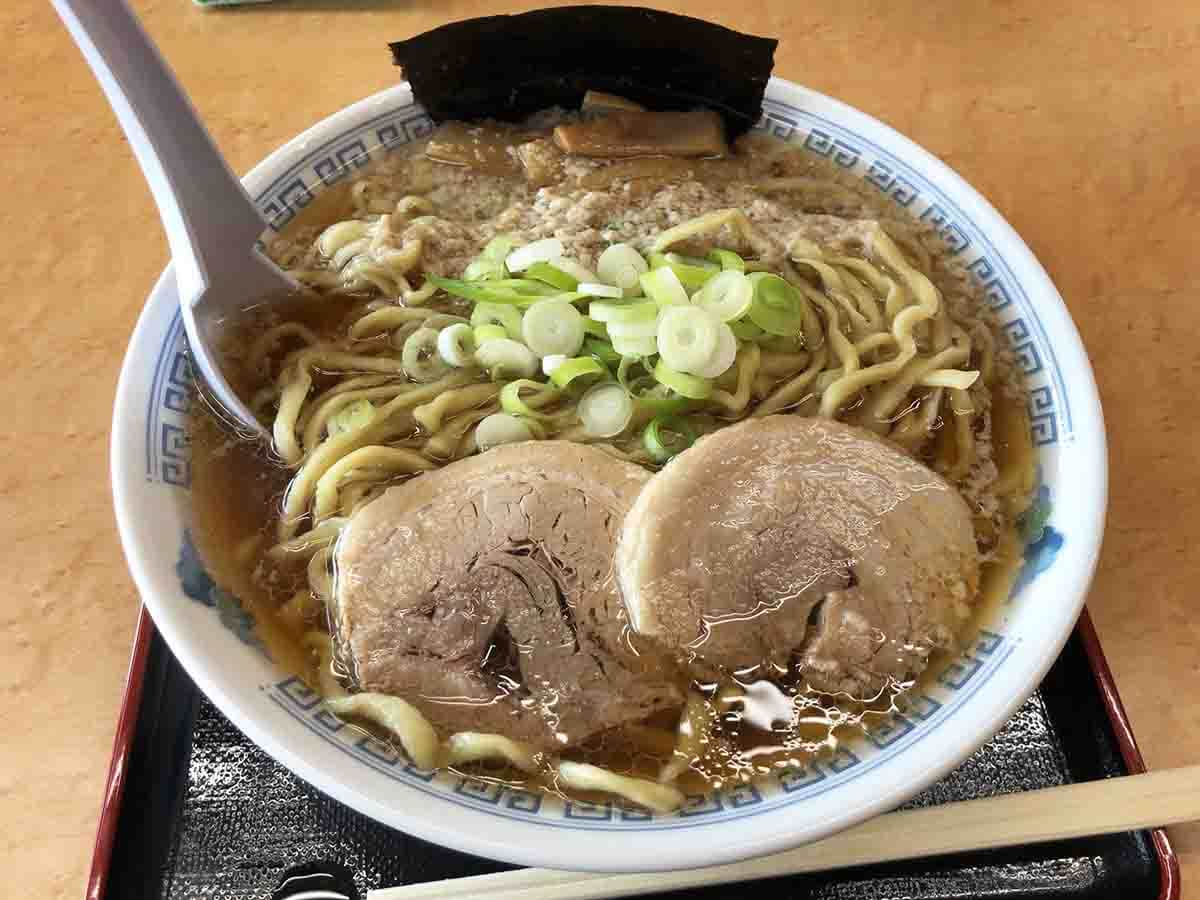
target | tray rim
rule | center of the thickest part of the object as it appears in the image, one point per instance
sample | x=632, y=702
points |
x=131, y=697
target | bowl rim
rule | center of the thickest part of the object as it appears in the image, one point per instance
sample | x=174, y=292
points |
x=707, y=844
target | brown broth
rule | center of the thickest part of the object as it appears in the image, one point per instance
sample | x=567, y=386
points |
x=239, y=490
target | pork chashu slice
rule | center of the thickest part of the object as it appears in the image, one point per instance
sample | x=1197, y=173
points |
x=483, y=593
x=789, y=543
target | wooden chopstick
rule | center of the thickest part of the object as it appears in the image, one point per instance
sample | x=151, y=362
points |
x=1128, y=803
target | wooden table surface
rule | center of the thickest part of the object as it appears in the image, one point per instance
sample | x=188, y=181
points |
x=1079, y=120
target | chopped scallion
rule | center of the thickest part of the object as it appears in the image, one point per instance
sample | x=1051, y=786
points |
x=687, y=338
x=621, y=265
x=456, y=345
x=635, y=346
x=570, y=369
x=594, y=328
x=500, y=246
x=595, y=289
x=727, y=260
x=551, y=326
x=507, y=317
x=420, y=357
x=538, y=251
x=681, y=383
x=727, y=296
x=485, y=333
x=667, y=436
x=484, y=269
x=552, y=275
x=511, y=401
x=605, y=410
x=692, y=277
x=602, y=350
x=630, y=311
x=503, y=290
x=506, y=358
x=501, y=428
x=777, y=306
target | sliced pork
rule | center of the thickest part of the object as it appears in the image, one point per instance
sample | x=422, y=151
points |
x=483, y=593
x=790, y=544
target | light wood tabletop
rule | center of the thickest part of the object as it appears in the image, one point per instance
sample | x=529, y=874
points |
x=1079, y=120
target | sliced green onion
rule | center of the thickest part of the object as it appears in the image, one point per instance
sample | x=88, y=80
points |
x=621, y=265
x=527, y=287
x=723, y=357
x=500, y=246
x=420, y=357
x=698, y=262
x=626, y=366
x=484, y=269
x=552, y=362
x=551, y=326
x=667, y=436
x=687, y=338
x=511, y=401
x=692, y=277
x=594, y=328
x=649, y=328
x=605, y=410
x=501, y=428
x=456, y=345
x=351, y=417
x=552, y=275
x=508, y=317
x=574, y=269
x=485, y=333
x=745, y=330
x=503, y=290
x=777, y=306
x=727, y=296
x=506, y=358
x=635, y=346
x=538, y=251
x=661, y=400
x=681, y=383
x=603, y=351
x=570, y=369
x=727, y=260
x=645, y=388
x=664, y=287
x=595, y=289
x=608, y=311
x=565, y=297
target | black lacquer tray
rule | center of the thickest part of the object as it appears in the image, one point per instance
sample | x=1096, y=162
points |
x=194, y=810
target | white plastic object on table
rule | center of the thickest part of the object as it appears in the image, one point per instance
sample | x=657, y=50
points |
x=211, y=222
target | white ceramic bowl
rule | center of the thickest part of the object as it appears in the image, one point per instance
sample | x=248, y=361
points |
x=972, y=699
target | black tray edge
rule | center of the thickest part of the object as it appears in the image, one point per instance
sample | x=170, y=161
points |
x=127, y=721
x=118, y=766
x=1168, y=862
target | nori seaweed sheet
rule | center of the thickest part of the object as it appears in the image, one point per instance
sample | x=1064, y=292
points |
x=507, y=67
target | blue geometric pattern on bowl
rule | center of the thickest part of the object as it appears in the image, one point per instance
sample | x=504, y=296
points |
x=958, y=684
x=197, y=584
x=1042, y=541
x=168, y=463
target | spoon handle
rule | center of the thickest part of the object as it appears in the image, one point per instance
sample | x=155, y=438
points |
x=211, y=222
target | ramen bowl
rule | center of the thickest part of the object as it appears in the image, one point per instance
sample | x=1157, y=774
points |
x=948, y=716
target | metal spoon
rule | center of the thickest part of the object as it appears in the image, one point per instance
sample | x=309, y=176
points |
x=211, y=222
